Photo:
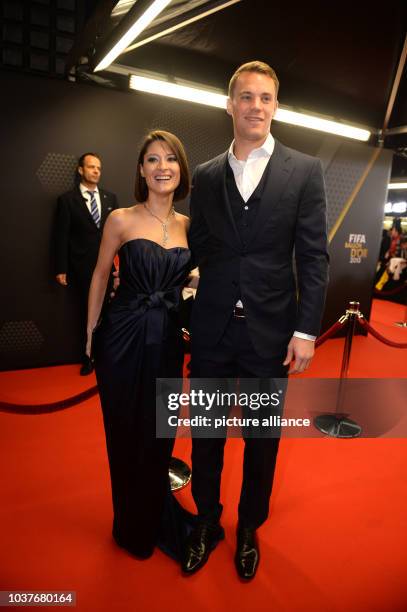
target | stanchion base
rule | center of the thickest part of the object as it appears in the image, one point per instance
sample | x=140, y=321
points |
x=179, y=474
x=337, y=426
x=401, y=323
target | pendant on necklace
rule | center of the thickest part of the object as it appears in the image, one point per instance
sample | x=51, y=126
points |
x=165, y=234
x=164, y=224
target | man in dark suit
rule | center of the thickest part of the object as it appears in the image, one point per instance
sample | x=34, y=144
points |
x=81, y=214
x=252, y=207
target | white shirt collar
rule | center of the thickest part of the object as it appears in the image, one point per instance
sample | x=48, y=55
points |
x=84, y=190
x=266, y=150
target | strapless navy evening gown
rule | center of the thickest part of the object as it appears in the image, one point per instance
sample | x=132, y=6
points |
x=137, y=341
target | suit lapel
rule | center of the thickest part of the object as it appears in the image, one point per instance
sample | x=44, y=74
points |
x=279, y=171
x=104, y=203
x=222, y=214
x=83, y=209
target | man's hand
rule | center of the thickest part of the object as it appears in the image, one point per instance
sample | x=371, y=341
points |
x=61, y=279
x=302, y=351
x=192, y=281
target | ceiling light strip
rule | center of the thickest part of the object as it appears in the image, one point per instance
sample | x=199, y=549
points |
x=202, y=96
x=180, y=92
x=323, y=125
x=402, y=185
x=182, y=24
x=135, y=29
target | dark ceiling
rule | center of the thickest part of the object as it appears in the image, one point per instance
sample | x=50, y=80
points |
x=335, y=58
x=339, y=59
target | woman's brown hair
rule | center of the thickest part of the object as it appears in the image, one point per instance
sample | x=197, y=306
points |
x=141, y=190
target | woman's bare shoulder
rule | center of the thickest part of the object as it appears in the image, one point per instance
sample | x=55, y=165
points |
x=183, y=219
x=123, y=215
x=128, y=210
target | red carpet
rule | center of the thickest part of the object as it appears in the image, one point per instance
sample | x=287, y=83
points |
x=336, y=540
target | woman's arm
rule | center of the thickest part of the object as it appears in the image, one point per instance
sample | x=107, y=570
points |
x=111, y=241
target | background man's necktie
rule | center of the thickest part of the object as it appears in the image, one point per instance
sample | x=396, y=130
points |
x=94, y=211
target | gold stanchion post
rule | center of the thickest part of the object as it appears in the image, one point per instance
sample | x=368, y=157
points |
x=179, y=473
x=338, y=425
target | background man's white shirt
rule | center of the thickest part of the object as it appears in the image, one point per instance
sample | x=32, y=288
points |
x=85, y=194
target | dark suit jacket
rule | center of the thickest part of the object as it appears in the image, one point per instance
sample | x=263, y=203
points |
x=77, y=238
x=291, y=215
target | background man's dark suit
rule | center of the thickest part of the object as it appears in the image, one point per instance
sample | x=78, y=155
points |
x=251, y=258
x=77, y=241
x=77, y=236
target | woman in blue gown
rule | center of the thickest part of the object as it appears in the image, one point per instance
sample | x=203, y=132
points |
x=138, y=340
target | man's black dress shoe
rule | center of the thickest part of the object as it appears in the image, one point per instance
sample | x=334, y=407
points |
x=247, y=553
x=200, y=542
x=87, y=367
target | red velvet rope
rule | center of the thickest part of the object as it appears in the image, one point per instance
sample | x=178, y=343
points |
x=378, y=336
x=85, y=395
x=53, y=407
x=330, y=332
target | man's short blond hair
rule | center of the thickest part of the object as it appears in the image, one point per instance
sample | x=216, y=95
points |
x=256, y=66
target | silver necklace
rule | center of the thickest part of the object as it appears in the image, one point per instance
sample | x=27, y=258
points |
x=164, y=224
